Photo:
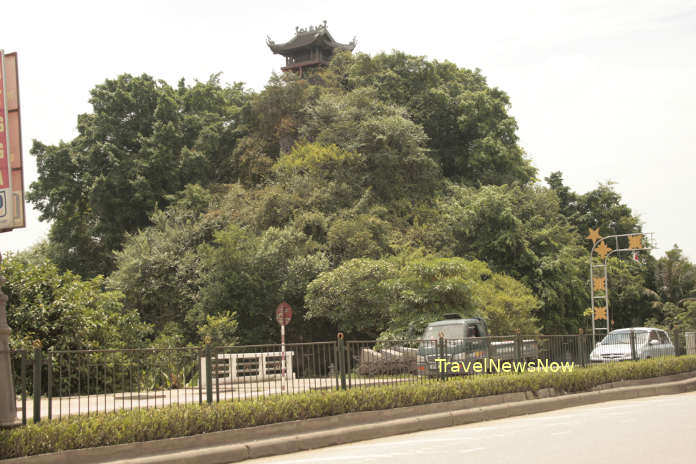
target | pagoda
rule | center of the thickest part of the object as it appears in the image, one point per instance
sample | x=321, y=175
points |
x=310, y=48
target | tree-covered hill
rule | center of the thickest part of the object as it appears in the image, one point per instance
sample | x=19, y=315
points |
x=373, y=196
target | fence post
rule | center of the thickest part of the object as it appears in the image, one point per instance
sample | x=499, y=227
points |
x=23, y=375
x=36, y=397
x=581, y=346
x=49, y=383
x=200, y=378
x=341, y=359
x=518, y=345
x=217, y=375
x=632, y=336
x=489, y=348
x=441, y=354
x=208, y=375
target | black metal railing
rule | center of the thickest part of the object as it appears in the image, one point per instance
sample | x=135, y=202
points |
x=55, y=384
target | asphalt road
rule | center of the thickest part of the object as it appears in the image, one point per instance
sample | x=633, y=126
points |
x=653, y=430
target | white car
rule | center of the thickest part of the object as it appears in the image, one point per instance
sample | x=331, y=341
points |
x=649, y=343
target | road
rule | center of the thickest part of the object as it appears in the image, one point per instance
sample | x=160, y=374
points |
x=660, y=429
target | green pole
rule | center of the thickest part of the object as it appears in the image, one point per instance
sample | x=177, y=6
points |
x=208, y=375
x=342, y=359
x=38, y=361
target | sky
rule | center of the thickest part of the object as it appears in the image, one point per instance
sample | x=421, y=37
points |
x=602, y=91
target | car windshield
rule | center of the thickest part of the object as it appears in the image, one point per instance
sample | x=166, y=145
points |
x=454, y=331
x=620, y=338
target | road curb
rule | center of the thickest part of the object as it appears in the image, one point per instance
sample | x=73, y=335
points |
x=288, y=437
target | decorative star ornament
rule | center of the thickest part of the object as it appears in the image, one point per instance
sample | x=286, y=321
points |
x=594, y=235
x=598, y=283
x=602, y=250
x=635, y=241
x=600, y=313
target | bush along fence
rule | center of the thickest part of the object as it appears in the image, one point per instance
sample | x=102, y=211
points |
x=56, y=384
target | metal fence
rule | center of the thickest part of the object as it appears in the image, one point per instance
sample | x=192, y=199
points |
x=56, y=384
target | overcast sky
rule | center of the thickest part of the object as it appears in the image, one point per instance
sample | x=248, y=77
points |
x=601, y=90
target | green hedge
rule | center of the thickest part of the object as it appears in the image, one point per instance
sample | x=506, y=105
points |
x=182, y=420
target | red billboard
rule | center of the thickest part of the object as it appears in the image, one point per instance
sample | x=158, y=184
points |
x=11, y=177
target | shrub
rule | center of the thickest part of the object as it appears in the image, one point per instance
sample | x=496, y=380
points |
x=183, y=420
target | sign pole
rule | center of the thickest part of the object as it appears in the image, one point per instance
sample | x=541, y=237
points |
x=283, y=380
x=283, y=316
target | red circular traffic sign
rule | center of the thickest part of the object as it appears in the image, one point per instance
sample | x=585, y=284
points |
x=283, y=313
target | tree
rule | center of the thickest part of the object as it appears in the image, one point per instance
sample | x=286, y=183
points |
x=391, y=298
x=568, y=200
x=390, y=144
x=675, y=276
x=219, y=330
x=143, y=141
x=675, y=297
x=250, y=275
x=276, y=113
x=157, y=270
x=519, y=231
x=629, y=301
x=63, y=312
x=424, y=289
x=351, y=298
x=601, y=207
x=681, y=318
x=469, y=131
x=372, y=196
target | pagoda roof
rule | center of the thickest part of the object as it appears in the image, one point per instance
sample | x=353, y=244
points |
x=313, y=35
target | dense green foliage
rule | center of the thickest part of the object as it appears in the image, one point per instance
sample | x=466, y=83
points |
x=675, y=298
x=412, y=292
x=131, y=426
x=373, y=196
x=63, y=312
x=469, y=131
x=144, y=140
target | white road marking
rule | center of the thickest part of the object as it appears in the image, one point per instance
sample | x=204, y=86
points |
x=470, y=450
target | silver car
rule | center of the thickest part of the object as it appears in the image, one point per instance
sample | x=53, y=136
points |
x=649, y=343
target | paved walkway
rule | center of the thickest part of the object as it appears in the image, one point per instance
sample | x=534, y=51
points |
x=61, y=406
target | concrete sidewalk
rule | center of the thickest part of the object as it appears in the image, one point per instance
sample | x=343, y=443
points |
x=62, y=406
x=275, y=439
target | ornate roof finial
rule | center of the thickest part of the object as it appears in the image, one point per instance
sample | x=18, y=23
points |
x=324, y=24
